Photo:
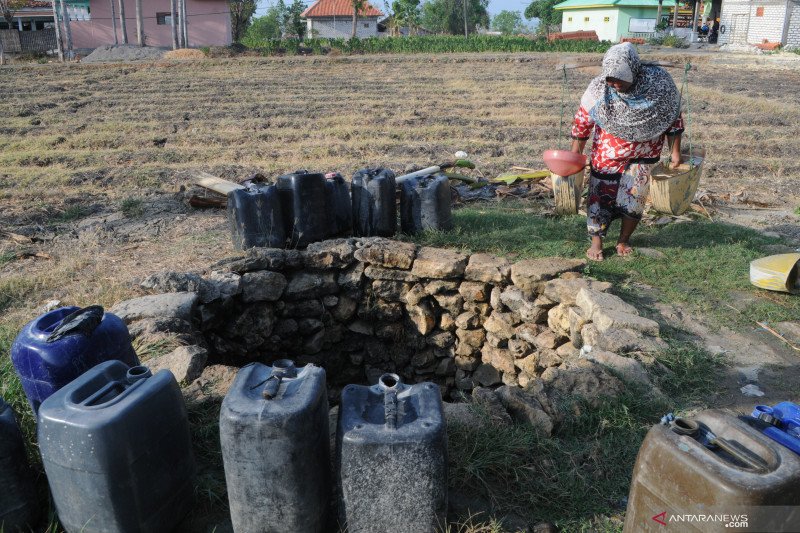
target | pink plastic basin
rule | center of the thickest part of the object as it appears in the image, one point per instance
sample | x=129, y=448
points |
x=564, y=162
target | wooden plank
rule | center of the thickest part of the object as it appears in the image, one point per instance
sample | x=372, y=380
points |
x=567, y=192
x=211, y=182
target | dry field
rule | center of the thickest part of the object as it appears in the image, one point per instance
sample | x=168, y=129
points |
x=91, y=156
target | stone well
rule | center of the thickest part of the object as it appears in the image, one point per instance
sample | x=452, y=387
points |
x=476, y=324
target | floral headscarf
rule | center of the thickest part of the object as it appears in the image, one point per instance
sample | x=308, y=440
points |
x=642, y=113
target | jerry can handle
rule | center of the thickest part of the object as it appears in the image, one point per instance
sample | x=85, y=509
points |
x=83, y=321
x=390, y=384
x=692, y=428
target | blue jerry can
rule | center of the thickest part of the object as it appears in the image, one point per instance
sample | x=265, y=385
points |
x=59, y=346
x=783, y=423
x=116, y=449
x=17, y=495
x=276, y=448
x=392, y=458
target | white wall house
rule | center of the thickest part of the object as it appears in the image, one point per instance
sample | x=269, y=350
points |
x=753, y=21
x=334, y=19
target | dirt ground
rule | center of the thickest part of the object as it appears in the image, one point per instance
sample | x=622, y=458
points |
x=92, y=159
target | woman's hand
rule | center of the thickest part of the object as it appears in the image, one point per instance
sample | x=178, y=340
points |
x=676, y=160
x=577, y=146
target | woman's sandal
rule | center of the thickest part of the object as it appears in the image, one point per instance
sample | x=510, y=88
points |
x=626, y=250
x=594, y=256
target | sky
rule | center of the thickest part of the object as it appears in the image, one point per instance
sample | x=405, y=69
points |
x=495, y=6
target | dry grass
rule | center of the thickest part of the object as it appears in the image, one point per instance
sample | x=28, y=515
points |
x=185, y=53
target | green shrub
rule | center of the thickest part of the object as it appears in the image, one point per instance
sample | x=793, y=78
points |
x=669, y=40
x=422, y=44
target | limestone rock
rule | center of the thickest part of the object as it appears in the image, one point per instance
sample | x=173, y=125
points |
x=447, y=322
x=630, y=369
x=335, y=253
x=496, y=342
x=528, y=332
x=422, y=317
x=362, y=327
x=566, y=290
x=516, y=300
x=487, y=402
x=468, y=320
x=309, y=326
x=181, y=282
x=441, y=339
x=185, y=362
x=487, y=268
x=438, y=286
x=180, y=305
x=467, y=363
x=525, y=406
x=474, y=291
x=546, y=340
x=611, y=319
x=567, y=351
x=528, y=274
x=376, y=272
x=251, y=328
x=558, y=319
x=313, y=344
x=439, y=263
x=621, y=340
x=293, y=259
x=228, y=284
x=519, y=348
x=382, y=311
x=305, y=285
x=392, y=291
x=494, y=299
x=450, y=302
x=157, y=325
x=486, y=375
x=501, y=359
x=415, y=294
x=548, y=358
x=255, y=259
x=501, y=324
x=482, y=309
x=387, y=253
x=330, y=301
x=350, y=280
x=285, y=328
x=446, y=367
x=585, y=380
x=263, y=285
x=593, y=302
x=302, y=309
x=576, y=323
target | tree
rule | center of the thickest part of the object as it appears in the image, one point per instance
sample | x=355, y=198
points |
x=263, y=28
x=241, y=13
x=7, y=10
x=358, y=7
x=543, y=10
x=447, y=16
x=291, y=25
x=405, y=14
x=508, y=22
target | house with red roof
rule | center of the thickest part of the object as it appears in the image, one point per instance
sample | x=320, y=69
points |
x=334, y=18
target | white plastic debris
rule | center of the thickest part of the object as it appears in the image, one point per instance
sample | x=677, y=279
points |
x=585, y=350
x=752, y=390
x=461, y=154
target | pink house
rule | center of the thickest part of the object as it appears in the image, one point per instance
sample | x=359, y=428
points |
x=208, y=22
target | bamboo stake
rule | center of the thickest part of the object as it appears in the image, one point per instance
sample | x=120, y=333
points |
x=185, y=24
x=179, y=22
x=781, y=337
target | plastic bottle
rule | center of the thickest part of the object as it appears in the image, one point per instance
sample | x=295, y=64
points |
x=276, y=448
x=425, y=204
x=392, y=457
x=374, y=204
x=255, y=217
x=116, y=449
x=17, y=492
x=340, y=207
x=304, y=207
x=59, y=346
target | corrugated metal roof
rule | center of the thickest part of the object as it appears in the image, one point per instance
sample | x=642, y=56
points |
x=339, y=8
x=585, y=4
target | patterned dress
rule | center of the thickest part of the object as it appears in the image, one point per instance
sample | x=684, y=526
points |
x=620, y=171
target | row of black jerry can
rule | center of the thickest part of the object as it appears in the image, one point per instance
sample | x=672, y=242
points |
x=303, y=207
x=391, y=462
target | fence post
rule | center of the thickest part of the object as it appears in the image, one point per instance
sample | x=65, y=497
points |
x=122, y=25
x=67, y=29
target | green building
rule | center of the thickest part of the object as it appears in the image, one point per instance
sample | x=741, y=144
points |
x=612, y=19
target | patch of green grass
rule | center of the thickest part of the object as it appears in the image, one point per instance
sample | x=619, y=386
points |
x=132, y=207
x=579, y=477
x=71, y=213
x=797, y=210
x=705, y=261
x=7, y=256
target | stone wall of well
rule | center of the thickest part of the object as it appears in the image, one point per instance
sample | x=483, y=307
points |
x=360, y=307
